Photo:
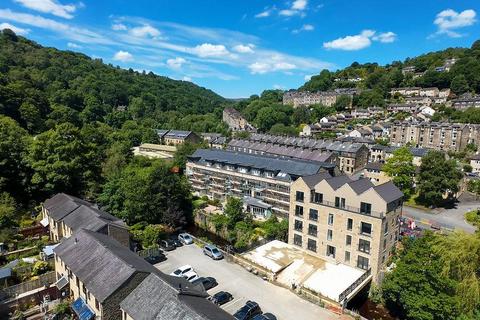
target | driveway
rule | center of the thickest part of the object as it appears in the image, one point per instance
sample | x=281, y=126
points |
x=448, y=218
x=244, y=286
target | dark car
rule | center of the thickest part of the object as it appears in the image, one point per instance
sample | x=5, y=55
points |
x=177, y=242
x=155, y=259
x=167, y=245
x=207, y=282
x=221, y=297
x=249, y=310
x=265, y=316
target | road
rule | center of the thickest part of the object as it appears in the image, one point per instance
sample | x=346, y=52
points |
x=244, y=286
x=448, y=218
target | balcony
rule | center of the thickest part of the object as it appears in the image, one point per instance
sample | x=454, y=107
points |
x=376, y=214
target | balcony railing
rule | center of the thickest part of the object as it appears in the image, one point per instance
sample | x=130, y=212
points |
x=377, y=214
x=354, y=285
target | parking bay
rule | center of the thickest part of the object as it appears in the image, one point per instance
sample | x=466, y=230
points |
x=244, y=286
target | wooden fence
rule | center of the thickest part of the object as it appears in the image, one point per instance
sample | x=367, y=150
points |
x=42, y=281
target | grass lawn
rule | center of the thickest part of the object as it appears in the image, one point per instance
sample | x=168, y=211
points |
x=412, y=202
x=473, y=217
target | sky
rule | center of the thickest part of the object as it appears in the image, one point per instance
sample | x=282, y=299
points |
x=241, y=47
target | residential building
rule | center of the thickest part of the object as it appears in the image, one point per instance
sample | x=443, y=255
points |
x=215, y=140
x=475, y=163
x=432, y=135
x=406, y=91
x=100, y=274
x=402, y=107
x=353, y=222
x=361, y=114
x=463, y=103
x=151, y=150
x=176, y=137
x=373, y=171
x=306, y=98
x=219, y=174
x=449, y=63
x=67, y=214
x=419, y=101
x=235, y=121
x=408, y=69
x=417, y=153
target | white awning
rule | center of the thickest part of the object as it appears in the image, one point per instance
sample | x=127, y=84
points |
x=44, y=222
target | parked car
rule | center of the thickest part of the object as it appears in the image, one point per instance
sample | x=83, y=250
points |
x=213, y=252
x=185, y=238
x=154, y=259
x=182, y=270
x=221, y=297
x=191, y=276
x=264, y=316
x=207, y=282
x=167, y=245
x=176, y=242
x=249, y=310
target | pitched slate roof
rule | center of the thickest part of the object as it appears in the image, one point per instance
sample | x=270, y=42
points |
x=374, y=165
x=77, y=213
x=311, y=181
x=293, y=167
x=153, y=299
x=177, y=134
x=388, y=191
x=361, y=185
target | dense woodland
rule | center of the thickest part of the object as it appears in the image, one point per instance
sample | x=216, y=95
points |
x=68, y=122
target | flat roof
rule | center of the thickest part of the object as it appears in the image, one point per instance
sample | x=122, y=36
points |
x=293, y=265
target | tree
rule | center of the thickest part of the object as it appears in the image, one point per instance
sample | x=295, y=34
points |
x=321, y=82
x=343, y=102
x=234, y=211
x=459, y=84
x=62, y=161
x=268, y=116
x=148, y=191
x=438, y=177
x=31, y=116
x=400, y=167
x=7, y=210
x=184, y=150
x=301, y=115
x=281, y=129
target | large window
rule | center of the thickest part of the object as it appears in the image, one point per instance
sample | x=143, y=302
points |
x=365, y=208
x=298, y=225
x=330, y=251
x=330, y=219
x=317, y=197
x=313, y=215
x=339, y=202
x=298, y=210
x=297, y=240
x=366, y=228
x=348, y=240
x=364, y=246
x=362, y=263
x=312, y=230
x=329, y=234
x=299, y=196
x=312, y=245
x=349, y=224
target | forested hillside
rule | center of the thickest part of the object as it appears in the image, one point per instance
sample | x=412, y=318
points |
x=464, y=75
x=41, y=87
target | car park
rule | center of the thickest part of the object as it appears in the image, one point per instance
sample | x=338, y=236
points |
x=191, y=276
x=221, y=297
x=179, y=272
x=154, y=259
x=207, y=282
x=264, y=316
x=249, y=310
x=167, y=245
x=213, y=252
x=185, y=238
x=175, y=241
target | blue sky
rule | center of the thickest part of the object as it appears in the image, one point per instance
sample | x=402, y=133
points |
x=239, y=48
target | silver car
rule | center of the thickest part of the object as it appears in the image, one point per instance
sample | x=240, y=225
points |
x=213, y=252
x=185, y=238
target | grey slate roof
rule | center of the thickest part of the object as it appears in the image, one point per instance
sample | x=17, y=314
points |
x=153, y=299
x=361, y=185
x=388, y=191
x=79, y=214
x=475, y=157
x=312, y=180
x=177, y=134
x=416, y=152
x=374, y=166
x=293, y=167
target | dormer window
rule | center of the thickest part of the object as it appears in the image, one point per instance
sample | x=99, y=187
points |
x=255, y=172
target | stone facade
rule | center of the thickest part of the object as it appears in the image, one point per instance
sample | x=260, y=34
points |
x=306, y=98
x=235, y=121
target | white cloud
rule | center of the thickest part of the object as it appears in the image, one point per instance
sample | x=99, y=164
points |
x=449, y=20
x=210, y=50
x=359, y=41
x=297, y=8
x=119, y=27
x=176, y=63
x=264, y=67
x=307, y=77
x=299, y=5
x=386, y=37
x=51, y=6
x=73, y=45
x=263, y=14
x=123, y=56
x=187, y=78
x=278, y=87
x=240, y=48
x=305, y=27
x=144, y=31
x=15, y=29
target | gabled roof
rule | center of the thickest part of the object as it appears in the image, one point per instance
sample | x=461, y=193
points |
x=154, y=299
x=374, y=166
x=338, y=181
x=177, y=134
x=361, y=185
x=311, y=181
x=388, y=191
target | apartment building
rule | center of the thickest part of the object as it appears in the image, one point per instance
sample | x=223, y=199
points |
x=235, y=121
x=100, y=276
x=374, y=172
x=306, y=98
x=466, y=102
x=433, y=135
x=353, y=222
x=66, y=214
x=402, y=107
x=475, y=163
x=219, y=174
x=349, y=156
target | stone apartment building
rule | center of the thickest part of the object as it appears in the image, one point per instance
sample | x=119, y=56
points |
x=353, y=222
x=306, y=98
x=67, y=214
x=402, y=107
x=235, y=121
x=433, y=135
x=219, y=174
x=463, y=103
x=176, y=137
x=103, y=278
